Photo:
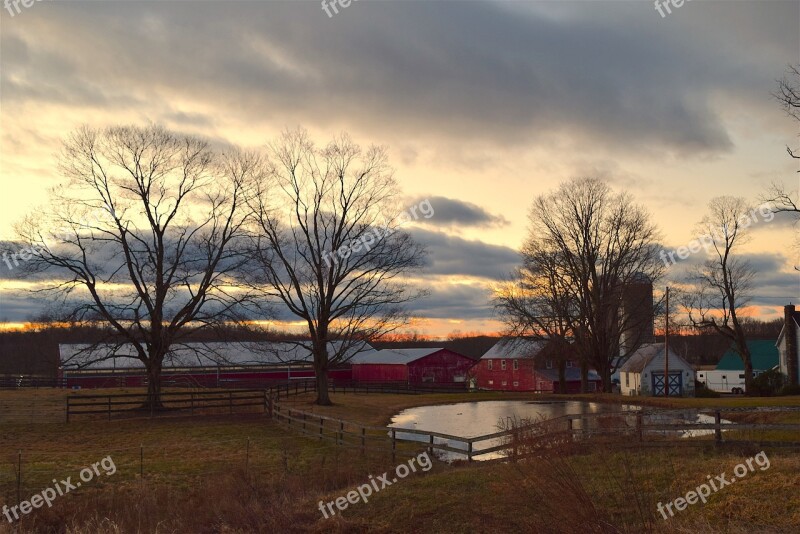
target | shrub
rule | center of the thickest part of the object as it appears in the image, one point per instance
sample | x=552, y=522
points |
x=701, y=391
x=789, y=389
x=768, y=383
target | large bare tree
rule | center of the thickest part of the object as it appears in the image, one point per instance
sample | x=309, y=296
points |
x=328, y=245
x=719, y=288
x=141, y=238
x=586, y=247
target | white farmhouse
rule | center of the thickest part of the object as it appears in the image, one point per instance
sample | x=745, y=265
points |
x=643, y=373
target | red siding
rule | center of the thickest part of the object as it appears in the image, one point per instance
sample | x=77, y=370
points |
x=380, y=372
x=442, y=367
x=200, y=378
x=494, y=378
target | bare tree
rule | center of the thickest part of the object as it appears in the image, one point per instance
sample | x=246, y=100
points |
x=328, y=245
x=719, y=288
x=586, y=247
x=141, y=238
x=535, y=304
x=788, y=95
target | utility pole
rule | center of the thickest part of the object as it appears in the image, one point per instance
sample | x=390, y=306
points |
x=666, y=349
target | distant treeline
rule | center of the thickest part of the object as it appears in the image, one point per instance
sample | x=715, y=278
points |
x=34, y=351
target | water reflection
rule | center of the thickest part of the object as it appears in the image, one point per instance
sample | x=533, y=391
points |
x=479, y=418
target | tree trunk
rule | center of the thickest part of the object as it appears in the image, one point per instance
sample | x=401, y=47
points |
x=153, y=401
x=584, y=376
x=562, y=376
x=323, y=399
x=748, y=371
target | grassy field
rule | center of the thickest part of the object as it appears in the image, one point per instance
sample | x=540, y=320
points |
x=248, y=474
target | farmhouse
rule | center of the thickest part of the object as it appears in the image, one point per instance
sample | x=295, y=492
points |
x=435, y=366
x=643, y=373
x=518, y=364
x=789, y=345
x=216, y=364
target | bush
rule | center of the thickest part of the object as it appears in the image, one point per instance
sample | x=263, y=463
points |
x=789, y=389
x=701, y=391
x=768, y=383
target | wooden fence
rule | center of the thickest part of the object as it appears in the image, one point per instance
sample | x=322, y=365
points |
x=520, y=440
x=175, y=403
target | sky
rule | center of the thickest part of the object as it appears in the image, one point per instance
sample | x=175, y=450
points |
x=482, y=105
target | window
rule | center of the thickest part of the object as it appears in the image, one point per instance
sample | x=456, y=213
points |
x=505, y=383
x=569, y=363
x=724, y=377
x=548, y=364
x=516, y=384
x=741, y=376
x=489, y=364
x=491, y=382
x=516, y=364
x=627, y=380
x=503, y=365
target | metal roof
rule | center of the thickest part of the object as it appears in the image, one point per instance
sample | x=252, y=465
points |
x=214, y=354
x=393, y=356
x=763, y=354
x=644, y=355
x=513, y=348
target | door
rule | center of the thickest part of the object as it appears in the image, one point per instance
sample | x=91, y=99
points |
x=675, y=384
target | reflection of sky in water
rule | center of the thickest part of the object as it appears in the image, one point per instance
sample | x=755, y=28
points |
x=471, y=419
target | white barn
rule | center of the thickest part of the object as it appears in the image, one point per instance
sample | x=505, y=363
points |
x=643, y=373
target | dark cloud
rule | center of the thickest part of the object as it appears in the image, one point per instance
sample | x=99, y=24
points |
x=451, y=255
x=612, y=73
x=451, y=211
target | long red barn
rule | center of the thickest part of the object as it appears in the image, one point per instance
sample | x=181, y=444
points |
x=435, y=366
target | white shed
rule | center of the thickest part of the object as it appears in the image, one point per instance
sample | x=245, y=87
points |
x=643, y=373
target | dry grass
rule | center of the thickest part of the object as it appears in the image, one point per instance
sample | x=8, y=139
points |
x=195, y=481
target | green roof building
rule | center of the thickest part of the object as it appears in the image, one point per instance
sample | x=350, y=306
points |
x=763, y=354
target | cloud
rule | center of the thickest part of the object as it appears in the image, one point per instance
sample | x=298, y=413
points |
x=451, y=255
x=612, y=74
x=451, y=211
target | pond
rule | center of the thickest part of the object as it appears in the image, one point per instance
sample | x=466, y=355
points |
x=480, y=418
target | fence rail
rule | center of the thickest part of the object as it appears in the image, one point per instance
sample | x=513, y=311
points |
x=174, y=403
x=519, y=440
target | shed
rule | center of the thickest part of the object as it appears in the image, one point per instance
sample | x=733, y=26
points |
x=643, y=373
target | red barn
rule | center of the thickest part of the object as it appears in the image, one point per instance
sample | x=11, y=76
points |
x=250, y=364
x=528, y=365
x=414, y=366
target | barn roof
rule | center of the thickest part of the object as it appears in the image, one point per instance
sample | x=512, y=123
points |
x=644, y=355
x=213, y=354
x=763, y=354
x=393, y=356
x=513, y=348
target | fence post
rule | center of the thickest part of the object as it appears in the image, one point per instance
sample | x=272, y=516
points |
x=19, y=476
x=469, y=451
x=304, y=421
x=394, y=443
x=639, y=429
x=430, y=449
x=341, y=432
x=717, y=427
x=363, y=439
x=321, y=426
